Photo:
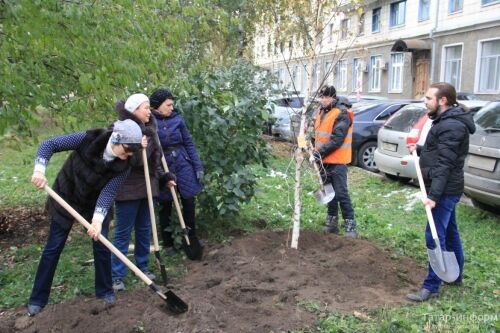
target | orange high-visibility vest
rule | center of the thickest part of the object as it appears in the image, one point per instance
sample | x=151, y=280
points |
x=323, y=131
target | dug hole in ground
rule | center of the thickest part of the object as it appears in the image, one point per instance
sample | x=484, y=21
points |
x=254, y=283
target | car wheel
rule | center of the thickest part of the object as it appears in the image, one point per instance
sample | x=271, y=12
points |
x=366, y=158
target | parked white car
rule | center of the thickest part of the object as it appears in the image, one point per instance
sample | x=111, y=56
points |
x=410, y=123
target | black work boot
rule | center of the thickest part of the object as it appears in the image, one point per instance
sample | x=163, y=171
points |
x=350, y=228
x=422, y=295
x=332, y=224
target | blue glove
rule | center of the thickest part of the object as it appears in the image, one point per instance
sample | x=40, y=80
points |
x=199, y=176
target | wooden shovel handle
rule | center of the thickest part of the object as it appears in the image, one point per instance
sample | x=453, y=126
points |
x=152, y=215
x=102, y=239
x=428, y=211
x=176, y=201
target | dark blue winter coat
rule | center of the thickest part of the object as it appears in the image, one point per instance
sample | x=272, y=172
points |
x=180, y=153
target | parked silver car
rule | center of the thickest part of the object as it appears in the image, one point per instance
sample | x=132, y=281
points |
x=482, y=166
x=409, y=123
x=283, y=108
x=392, y=156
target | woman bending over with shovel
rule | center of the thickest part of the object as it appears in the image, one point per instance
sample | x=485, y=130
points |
x=88, y=181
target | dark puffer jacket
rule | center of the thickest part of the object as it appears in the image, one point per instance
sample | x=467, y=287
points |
x=134, y=187
x=83, y=176
x=180, y=153
x=443, y=154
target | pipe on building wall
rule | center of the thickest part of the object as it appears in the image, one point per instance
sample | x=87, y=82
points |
x=431, y=36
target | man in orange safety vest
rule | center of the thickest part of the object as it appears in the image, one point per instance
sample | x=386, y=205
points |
x=332, y=149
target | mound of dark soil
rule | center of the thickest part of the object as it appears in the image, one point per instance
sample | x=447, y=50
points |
x=253, y=284
x=22, y=225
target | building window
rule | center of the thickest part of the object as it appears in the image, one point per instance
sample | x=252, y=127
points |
x=315, y=77
x=489, y=66
x=278, y=74
x=375, y=73
x=396, y=72
x=361, y=24
x=330, y=33
x=489, y=2
x=376, y=19
x=398, y=13
x=453, y=65
x=355, y=73
x=341, y=75
x=328, y=73
x=295, y=81
x=455, y=6
x=424, y=10
x=305, y=81
x=344, y=28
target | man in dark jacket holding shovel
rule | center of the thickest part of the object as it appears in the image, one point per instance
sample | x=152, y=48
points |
x=441, y=161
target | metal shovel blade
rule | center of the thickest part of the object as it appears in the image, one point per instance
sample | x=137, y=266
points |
x=444, y=263
x=325, y=195
x=193, y=250
x=174, y=302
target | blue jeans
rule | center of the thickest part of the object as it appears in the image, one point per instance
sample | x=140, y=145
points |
x=449, y=238
x=131, y=214
x=336, y=174
x=50, y=258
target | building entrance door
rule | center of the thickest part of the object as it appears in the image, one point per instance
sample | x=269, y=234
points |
x=422, y=68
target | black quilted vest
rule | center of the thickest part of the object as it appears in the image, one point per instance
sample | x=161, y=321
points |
x=83, y=176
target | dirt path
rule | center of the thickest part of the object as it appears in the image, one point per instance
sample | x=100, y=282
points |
x=253, y=284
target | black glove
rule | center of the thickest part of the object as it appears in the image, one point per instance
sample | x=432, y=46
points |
x=164, y=179
x=199, y=176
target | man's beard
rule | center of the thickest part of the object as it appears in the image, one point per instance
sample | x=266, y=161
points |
x=434, y=113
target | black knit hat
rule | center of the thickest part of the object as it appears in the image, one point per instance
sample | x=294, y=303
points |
x=328, y=91
x=159, y=96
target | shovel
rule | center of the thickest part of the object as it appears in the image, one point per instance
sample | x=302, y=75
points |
x=326, y=193
x=153, y=219
x=191, y=244
x=174, y=302
x=444, y=263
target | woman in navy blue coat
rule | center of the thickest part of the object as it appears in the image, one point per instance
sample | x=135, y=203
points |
x=182, y=160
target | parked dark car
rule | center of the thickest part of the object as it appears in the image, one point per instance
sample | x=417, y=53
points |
x=467, y=96
x=368, y=118
x=482, y=166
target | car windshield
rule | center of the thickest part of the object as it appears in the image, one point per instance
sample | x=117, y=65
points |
x=489, y=117
x=405, y=119
x=293, y=102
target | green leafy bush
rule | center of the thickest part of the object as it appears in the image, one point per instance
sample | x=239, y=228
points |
x=225, y=112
